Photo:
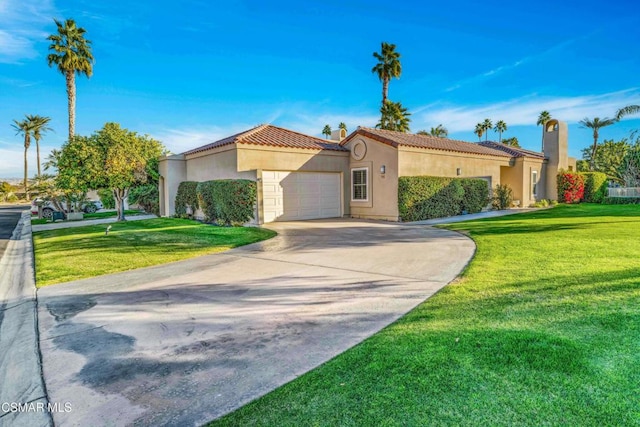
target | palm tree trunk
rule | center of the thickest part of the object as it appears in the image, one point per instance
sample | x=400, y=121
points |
x=500, y=137
x=26, y=144
x=71, y=99
x=594, y=149
x=38, y=155
x=385, y=90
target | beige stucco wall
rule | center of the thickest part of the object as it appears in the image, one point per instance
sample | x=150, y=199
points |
x=172, y=172
x=257, y=158
x=417, y=162
x=518, y=177
x=220, y=163
x=383, y=188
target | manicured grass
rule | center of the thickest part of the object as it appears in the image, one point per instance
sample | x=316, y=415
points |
x=542, y=329
x=76, y=253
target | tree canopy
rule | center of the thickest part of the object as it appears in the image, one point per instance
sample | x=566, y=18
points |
x=393, y=116
x=112, y=157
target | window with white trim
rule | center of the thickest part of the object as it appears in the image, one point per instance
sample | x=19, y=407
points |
x=359, y=187
x=534, y=183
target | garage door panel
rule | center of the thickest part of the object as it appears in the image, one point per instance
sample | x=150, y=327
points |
x=300, y=195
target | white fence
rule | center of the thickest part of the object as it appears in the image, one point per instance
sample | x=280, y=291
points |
x=624, y=192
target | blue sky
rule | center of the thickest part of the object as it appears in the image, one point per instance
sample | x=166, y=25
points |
x=194, y=71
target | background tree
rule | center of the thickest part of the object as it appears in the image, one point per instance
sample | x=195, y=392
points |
x=112, y=157
x=326, y=131
x=609, y=159
x=342, y=125
x=423, y=132
x=39, y=125
x=626, y=111
x=25, y=128
x=500, y=127
x=71, y=54
x=486, y=127
x=439, y=131
x=393, y=116
x=388, y=67
x=479, y=131
x=146, y=195
x=596, y=124
x=630, y=169
x=543, y=118
x=512, y=142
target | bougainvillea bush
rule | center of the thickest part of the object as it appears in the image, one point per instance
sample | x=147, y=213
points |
x=570, y=187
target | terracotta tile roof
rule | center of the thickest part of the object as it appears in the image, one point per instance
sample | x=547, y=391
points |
x=513, y=151
x=273, y=136
x=396, y=139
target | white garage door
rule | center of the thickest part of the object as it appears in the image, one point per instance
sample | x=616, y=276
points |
x=290, y=196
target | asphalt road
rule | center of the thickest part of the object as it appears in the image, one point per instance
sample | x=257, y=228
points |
x=9, y=217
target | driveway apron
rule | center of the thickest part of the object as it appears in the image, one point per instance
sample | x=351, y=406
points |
x=187, y=342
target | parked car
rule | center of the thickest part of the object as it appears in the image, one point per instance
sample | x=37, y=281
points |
x=48, y=208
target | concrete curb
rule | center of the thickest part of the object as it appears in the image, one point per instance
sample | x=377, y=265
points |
x=21, y=380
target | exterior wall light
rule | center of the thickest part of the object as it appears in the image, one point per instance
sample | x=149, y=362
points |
x=459, y=171
x=383, y=169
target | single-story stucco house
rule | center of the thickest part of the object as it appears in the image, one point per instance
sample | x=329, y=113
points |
x=304, y=177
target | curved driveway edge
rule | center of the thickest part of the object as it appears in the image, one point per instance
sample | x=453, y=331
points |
x=20, y=370
x=187, y=342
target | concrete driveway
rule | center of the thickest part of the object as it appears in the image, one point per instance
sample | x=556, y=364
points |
x=184, y=343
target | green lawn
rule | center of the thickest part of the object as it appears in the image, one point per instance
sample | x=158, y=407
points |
x=96, y=215
x=76, y=253
x=542, y=329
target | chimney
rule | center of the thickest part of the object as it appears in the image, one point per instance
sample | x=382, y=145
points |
x=338, y=135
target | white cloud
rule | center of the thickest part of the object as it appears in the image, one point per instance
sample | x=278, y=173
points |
x=178, y=140
x=22, y=25
x=525, y=111
x=501, y=69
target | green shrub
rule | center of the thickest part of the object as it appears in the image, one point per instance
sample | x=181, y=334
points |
x=502, y=197
x=425, y=197
x=476, y=195
x=147, y=197
x=595, y=186
x=228, y=201
x=106, y=197
x=204, y=191
x=543, y=203
x=186, y=197
x=570, y=187
x=621, y=201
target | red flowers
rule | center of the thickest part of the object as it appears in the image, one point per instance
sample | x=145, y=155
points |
x=570, y=187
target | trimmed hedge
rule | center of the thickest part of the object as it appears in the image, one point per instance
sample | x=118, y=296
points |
x=425, y=197
x=228, y=201
x=570, y=187
x=476, y=195
x=622, y=200
x=186, y=197
x=595, y=187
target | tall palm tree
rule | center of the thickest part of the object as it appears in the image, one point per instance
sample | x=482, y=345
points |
x=393, y=116
x=596, y=124
x=439, y=131
x=500, y=127
x=388, y=67
x=543, y=118
x=326, y=131
x=24, y=127
x=479, y=131
x=486, y=127
x=629, y=109
x=71, y=54
x=39, y=127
